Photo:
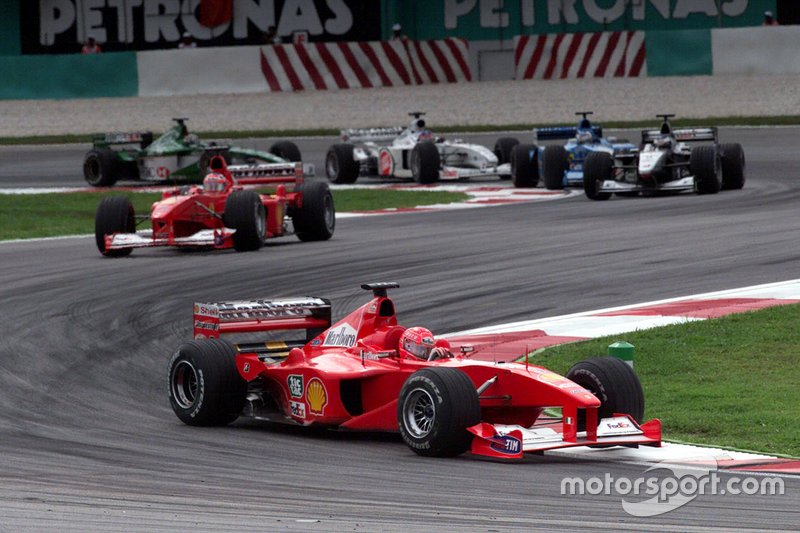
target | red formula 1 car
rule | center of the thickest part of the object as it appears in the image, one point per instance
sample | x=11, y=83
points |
x=367, y=373
x=222, y=213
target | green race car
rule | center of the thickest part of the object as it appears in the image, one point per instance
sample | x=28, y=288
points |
x=175, y=156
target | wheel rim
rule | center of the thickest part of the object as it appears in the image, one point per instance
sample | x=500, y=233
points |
x=419, y=413
x=92, y=169
x=330, y=216
x=332, y=167
x=184, y=384
x=414, y=164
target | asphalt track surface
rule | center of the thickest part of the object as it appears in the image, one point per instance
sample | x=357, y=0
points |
x=88, y=441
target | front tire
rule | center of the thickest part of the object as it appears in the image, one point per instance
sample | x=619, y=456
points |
x=114, y=215
x=614, y=383
x=597, y=168
x=245, y=213
x=286, y=150
x=315, y=220
x=435, y=408
x=524, y=165
x=704, y=164
x=425, y=162
x=555, y=162
x=100, y=167
x=340, y=165
x=733, y=166
x=205, y=388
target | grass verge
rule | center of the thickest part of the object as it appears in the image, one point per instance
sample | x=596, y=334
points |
x=780, y=120
x=27, y=216
x=729, y=382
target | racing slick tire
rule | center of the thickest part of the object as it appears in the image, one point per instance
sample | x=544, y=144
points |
x=733, y=166
x=597, y=167
x=205, y=388
x=100, y=167
x=704, y=164
x=286, y=150
x=502, y=149
x=524, y=166
x=245, y=213
x=435, y=407
x=340, y=165
x=114, y=215
x=555, y=161
x=315, y=219
x=425, y=162
x=614, y=383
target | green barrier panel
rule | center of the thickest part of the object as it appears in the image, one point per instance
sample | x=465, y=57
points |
x=678, y=53
x=69, y=76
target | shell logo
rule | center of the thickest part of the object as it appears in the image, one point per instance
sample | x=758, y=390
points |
x=317, y=396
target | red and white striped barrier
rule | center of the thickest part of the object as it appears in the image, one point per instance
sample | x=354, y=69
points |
x=612, y=54
x=346, y=65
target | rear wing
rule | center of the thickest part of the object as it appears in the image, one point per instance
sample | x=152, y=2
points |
x=214, y=319
x=143, y=138
x=683, y=134
x=267, y=173
x=355, y=135
x=563, y=132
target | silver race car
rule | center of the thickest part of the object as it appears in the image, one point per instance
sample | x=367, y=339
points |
x=668, y=160
x=413, y=152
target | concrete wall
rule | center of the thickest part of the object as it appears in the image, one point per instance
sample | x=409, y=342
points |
x=756, y=51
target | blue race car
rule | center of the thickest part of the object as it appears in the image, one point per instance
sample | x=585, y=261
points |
x=562, y=166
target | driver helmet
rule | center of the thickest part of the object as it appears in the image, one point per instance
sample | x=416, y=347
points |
x=426, y=135
x=215, y=182
x=584, y=136
x=418, y=342
x=664, y=141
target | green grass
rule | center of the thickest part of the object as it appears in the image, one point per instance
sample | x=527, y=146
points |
x=25, y=216
x=731, y=381
x=780, y=120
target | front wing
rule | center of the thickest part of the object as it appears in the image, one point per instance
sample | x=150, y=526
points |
x=216, y=238
x=502, y=441
x=457, y=173
x=683, y=184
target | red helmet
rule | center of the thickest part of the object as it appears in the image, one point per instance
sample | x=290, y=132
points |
x=214, y=182
x=418, y=342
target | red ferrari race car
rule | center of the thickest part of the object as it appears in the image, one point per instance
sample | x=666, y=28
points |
x=222, y=213
x=366, y=372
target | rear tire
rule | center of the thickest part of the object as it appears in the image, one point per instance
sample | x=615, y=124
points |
x=286, y=150
x=245, y=213
x=503, y=148
x=524, y=165
x=614, y=383
x=425, y=161
x=315, y=220
x=733, y=166
x=114, y=215
x=205, y=388
x=555, y=161
x=101, y=167
x=596, y=168
x=435, y=407
x=704, y=164
x=340, y=165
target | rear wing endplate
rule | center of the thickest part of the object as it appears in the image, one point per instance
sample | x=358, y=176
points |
x=563, y=132
x=266, y=173
x=214, y=319
x=356, y=135
x=683, y=134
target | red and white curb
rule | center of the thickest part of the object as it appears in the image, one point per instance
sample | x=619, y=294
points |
x=509, y=342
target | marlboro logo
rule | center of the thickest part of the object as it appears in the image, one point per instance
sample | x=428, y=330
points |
x=344, y=335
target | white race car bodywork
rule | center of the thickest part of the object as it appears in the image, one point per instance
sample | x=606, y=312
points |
x=458, y=160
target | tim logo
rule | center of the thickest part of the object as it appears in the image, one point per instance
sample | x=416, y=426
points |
x=506, y=444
